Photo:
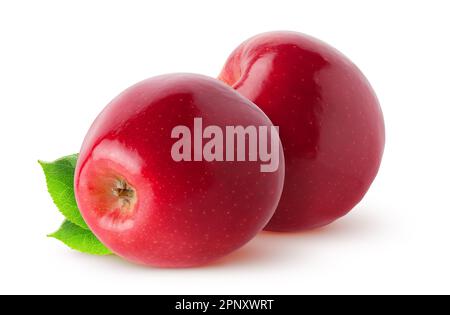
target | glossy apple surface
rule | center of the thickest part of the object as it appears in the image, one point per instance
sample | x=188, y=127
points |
x=331, y=124
x=151, y=210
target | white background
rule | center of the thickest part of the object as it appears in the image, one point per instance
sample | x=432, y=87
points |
x=61, y=62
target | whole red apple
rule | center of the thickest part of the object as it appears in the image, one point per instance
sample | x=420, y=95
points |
x=331, y=124
x=153, y=208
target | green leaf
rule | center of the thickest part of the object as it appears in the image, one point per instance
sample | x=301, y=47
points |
x=59, y=175
x=80, y=239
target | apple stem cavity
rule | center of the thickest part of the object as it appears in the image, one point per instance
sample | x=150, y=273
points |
x=126, y=195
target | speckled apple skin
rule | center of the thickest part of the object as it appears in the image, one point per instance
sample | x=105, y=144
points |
x=331, y=124
x=187, y=213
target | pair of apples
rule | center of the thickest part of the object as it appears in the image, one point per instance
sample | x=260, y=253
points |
x=152, y=210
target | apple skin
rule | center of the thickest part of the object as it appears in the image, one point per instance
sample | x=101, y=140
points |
x=172, y=214
x=331, y=124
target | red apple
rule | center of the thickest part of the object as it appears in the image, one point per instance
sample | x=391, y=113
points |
x=331, y=124
x=152, y=209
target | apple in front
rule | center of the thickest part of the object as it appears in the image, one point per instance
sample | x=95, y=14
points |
x=331, y=124
x=152, y=203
